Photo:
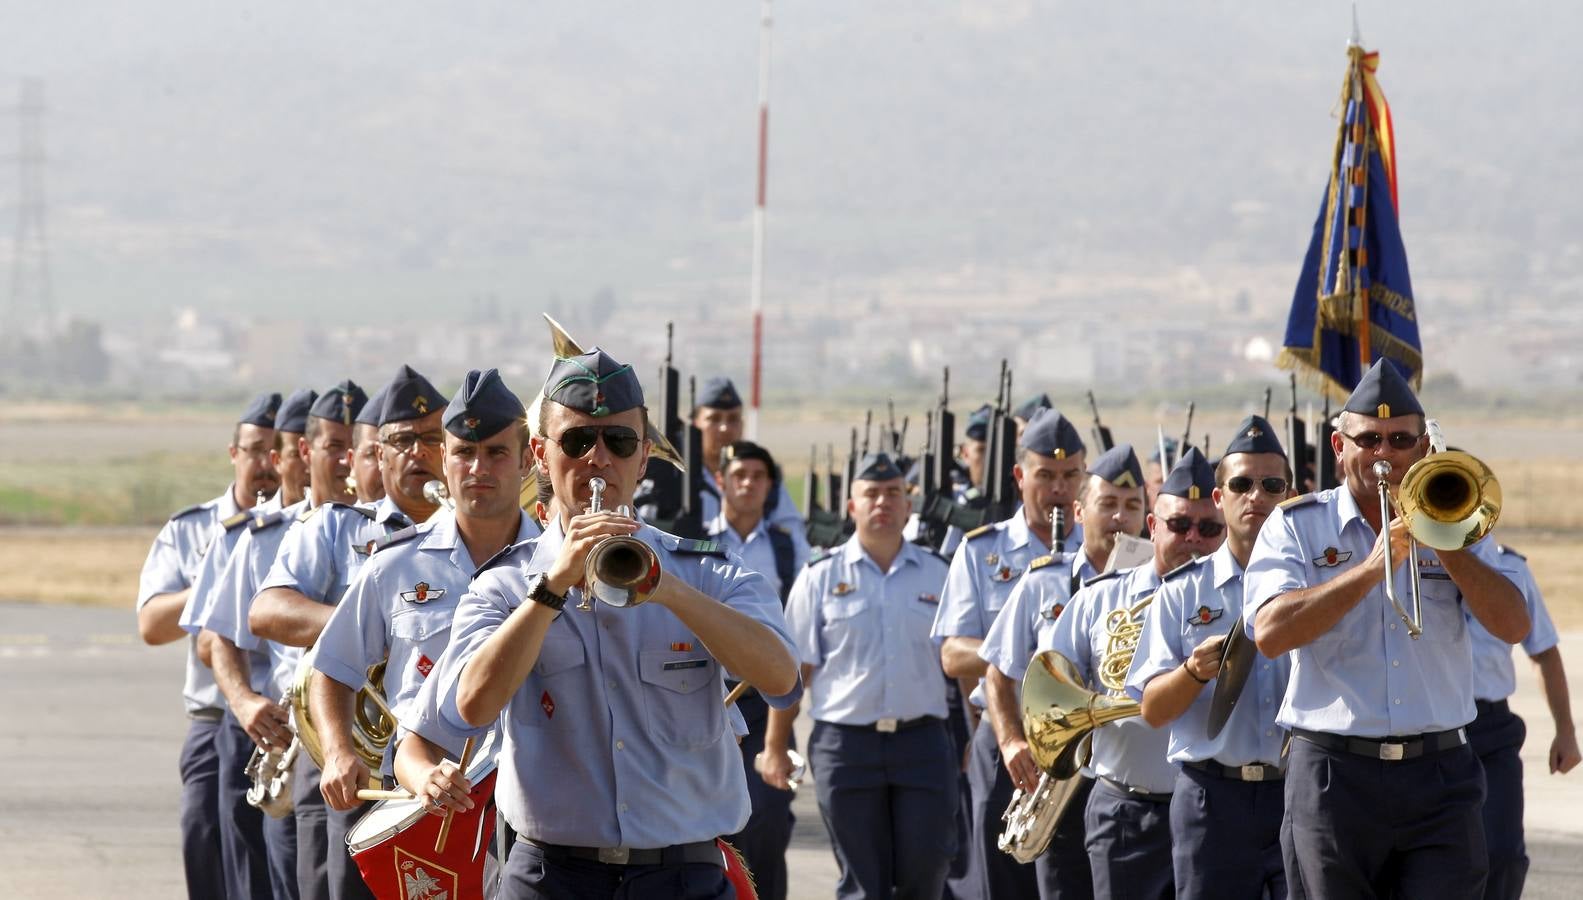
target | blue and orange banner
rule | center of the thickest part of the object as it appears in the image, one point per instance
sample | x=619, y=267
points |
x=1354, y=299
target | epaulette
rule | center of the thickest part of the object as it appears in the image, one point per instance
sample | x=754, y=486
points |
x=269, y=521
x=197, y=507
x=231, y=523
x=819, y=555
x=360, y=510
x=1104, y=576
x=979, y=532
x=1299, y=500
x=934, y=553
x=1183, y=568
x=692, y=547
x=504, y=554
x=307, y=513
x=396, y=537
x=1041, y=562
x=1510, y=552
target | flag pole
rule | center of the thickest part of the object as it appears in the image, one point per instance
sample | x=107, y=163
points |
x=757, y=290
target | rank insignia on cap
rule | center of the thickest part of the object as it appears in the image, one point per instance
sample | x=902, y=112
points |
x=421, y=404
x=1055, y=611
x=365, y=549
x=1125, y=480
x=1002, y=574
x=422, y=593
x=841, y=589
x=547, y=703
x=471, y=422
x=1383, y=411
x=1195, y=492
x=1254, y=432
x=424, y=665
x=1332, y=557
x=991, y=559
x=930, y=598
x=1205, y=615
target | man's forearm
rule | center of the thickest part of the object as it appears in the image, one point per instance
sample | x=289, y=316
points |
x=1294, y=619
x=959, y=657
x=746, y=647
x=416, y=757
x=1490, y=596
x=1553, y=683
x=287, y=616
x=1168, y=695
x=331, y=704
x=232, y=671
x=159, y=620
x=494, y=673
x=1004, y=716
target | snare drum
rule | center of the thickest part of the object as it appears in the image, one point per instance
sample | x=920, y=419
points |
x=393, y=843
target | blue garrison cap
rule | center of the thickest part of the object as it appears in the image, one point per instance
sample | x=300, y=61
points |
x=342, y=403
x=719, y=393
x=1050, y=434
x=1192, y=477
x=369, y=415
x=749, y=450
x=483, y=407
x=261, y=411
x=293, y=415
x=1170, y=450
x=978, y=423
x=1254, y=435
x=1119, y=466
x=409, y=396
x=1383, y=393
x=1031, y=406
x=876, y=467
x=593, y=383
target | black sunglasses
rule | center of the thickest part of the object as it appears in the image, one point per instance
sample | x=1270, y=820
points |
x=1399, y=440
x=620, y=440
x=1273, y=485
x=1206, y=527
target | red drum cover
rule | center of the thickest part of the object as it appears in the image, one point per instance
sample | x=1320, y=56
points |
x=404, y=866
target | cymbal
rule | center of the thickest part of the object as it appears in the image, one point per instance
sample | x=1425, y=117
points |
x=1236, y=662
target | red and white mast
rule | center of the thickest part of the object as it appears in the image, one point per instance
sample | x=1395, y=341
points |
x=757, y=291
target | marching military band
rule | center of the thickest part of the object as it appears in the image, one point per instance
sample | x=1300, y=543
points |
x=435, y=650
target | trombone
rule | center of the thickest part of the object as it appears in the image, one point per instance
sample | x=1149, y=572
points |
x=1449, y=501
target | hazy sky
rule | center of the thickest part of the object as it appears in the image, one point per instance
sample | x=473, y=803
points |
x=317, y=158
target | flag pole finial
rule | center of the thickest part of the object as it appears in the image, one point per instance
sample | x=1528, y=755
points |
x=1357, y=32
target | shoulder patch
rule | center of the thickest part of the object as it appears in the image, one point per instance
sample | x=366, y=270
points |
x=1510, y=552
x=269, y=521
x=979, y=532
x=195, y=508
x=1183, y=568
x=691, y=547
x=1299, y=500
x=231, y=523
x=1041, y=562
x=396, y=537
x=1105, y=576
x=360, y=510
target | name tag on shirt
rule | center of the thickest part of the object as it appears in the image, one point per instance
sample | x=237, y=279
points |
x=685, y=664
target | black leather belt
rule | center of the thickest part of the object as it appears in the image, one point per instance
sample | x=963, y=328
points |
x=888, y=726
x=1492, y=707
x=1392, y=749
x=675, y=855
x=1254, y=772
x=209, y=714
x=1136, y=792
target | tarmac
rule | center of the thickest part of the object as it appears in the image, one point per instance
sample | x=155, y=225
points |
x=94, y=726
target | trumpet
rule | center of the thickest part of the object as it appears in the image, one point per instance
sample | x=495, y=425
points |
x=620, y=571
x=436, y=492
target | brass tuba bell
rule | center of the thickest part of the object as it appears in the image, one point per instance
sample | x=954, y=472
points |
x=373, y=724
x=619, y=571
x=1058, y=712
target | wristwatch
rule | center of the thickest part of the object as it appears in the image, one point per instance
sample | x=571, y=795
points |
x=539, y=592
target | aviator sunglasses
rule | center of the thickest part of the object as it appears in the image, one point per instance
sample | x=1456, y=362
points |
x=1273, y=485
x=1206, y=527
x=1368, y=440
x=620, y=440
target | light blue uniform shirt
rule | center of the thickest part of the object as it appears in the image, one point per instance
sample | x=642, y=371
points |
x=399, y=609
x=1494, y=676
x=1193, y=605
x=1028, y=618
x=866, y=632
x=1364, y=677
x=784, y=514
x=1129, y=750
x=172, y=564
x=618, y=737
x=271, y=666
x=321, y=556
x=756, y=552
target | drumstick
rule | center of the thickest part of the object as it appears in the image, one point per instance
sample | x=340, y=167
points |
x=370, y=794
x=736, y=693
x=445, y=827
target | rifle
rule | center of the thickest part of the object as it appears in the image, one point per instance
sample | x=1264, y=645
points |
x=1102, y=436
x=810, y=485
x=1326, y=457
x=1297, y=441
x=1000, y=485
x=663, y=500
x=689, y=521
x=1187, y=433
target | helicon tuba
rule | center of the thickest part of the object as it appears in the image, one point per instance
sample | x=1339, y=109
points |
x=373, y=725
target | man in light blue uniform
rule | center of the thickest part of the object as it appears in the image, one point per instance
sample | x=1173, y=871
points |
x=1497, y=733
x=879, y=751
x=254, y=676
x=318, y=560
x=1229, y=797
x=1382, y=791
x=1127, y=822
x=163, y=590
x=619, y=765
x=1110, y=502
x=749, y=476
x=399, y=608
x=242, y=838
x=718, y=418
x=1049, y=472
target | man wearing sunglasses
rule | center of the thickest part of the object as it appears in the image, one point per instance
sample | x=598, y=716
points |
x=1382, y=790
x=1229, y=796
x=619, y=767
x=1127, y=820
x=317, y=562
x=1109, y=503
x=984, y=569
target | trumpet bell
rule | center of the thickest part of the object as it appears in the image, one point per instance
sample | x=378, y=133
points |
x=1058, y=712
x=622, y=571
x=1449, y=500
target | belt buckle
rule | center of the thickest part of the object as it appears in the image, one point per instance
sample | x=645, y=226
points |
x=615, y=856
x=885, y=726
x=1253, y=773
x=1392, y=752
